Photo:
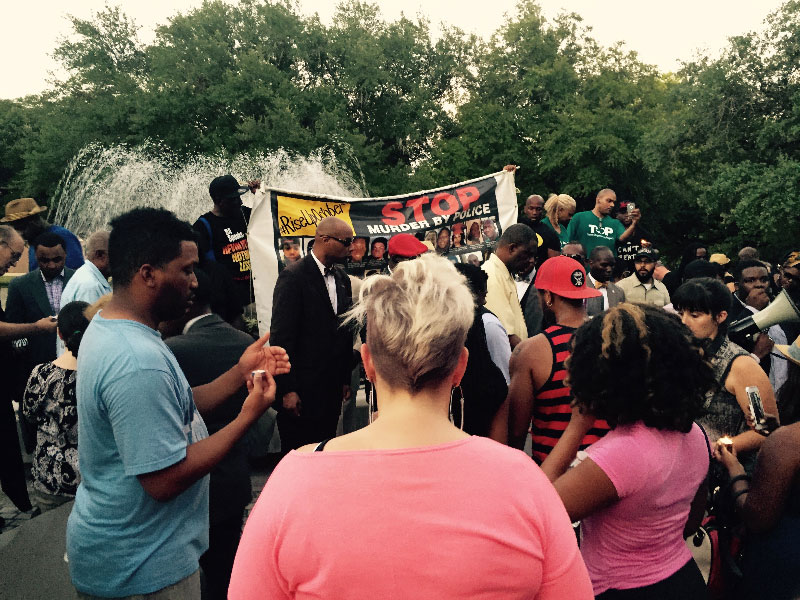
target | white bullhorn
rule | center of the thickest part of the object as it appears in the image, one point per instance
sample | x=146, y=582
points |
x=780, y=310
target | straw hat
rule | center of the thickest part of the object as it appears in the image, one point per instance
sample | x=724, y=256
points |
x=791, y=352
x=21, y=208
x=719, y=259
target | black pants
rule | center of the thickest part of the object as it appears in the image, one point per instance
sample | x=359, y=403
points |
x=12, y=472
x=685, y=584
x=217, y=561
x=299, y=431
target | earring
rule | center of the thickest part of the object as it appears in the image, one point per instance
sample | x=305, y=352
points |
x=371, y=402
x=461, y=400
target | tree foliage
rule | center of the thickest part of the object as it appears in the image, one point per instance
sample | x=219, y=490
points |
x=711, y=151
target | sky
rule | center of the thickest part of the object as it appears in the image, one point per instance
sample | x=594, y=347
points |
x=663, y=33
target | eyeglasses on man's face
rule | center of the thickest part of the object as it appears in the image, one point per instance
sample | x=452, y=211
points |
x=15, y=256
x=343, y=241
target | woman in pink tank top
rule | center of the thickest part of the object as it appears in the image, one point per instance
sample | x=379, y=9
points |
x=642, y=487
x=410, y=506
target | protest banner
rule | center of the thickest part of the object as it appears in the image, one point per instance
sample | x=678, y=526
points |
x=456, y=221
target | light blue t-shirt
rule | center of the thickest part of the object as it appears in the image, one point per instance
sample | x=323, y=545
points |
x=136, y=415
x=87, y=284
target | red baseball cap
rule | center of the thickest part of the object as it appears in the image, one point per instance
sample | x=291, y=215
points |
x=565, y=277
x=406, y=245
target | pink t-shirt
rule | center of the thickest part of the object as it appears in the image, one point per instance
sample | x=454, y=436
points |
x=467, y=519
x=638, y=541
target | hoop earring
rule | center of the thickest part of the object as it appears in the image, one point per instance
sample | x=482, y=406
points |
x=461, y=400
x=371, y=402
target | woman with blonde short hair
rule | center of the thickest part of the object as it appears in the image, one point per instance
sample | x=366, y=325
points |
x=558, y=211
x=410, y=506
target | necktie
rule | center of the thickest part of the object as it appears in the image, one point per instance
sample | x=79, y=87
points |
x=600, y=284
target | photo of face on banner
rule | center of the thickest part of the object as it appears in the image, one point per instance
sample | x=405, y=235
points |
x=378, y=250
x=443, y=241
x=458, y=235
x=474, y=229
x=489, y=228
x=358, y=249
x=290, y=250
x=473, y=258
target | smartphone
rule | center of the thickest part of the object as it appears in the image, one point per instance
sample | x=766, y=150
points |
x=756, y=406
x=631, y=207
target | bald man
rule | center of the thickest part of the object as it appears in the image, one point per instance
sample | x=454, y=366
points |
x=532, y=214
x=310, y=297
x=597, y=227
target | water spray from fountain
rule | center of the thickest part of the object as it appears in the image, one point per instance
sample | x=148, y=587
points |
x=103, y=182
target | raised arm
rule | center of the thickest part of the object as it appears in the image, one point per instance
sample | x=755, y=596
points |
x=272, y=359
x=778, y=463
x=746, y=372
x=202, y=456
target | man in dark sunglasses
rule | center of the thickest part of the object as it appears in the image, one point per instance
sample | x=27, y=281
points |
x=575, y=251
x=310, y=297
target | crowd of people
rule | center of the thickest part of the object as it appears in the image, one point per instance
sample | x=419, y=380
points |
x=560, y=375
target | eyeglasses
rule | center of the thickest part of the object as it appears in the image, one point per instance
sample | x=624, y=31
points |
x=577, y=257
x=345, y=242
x=15, y=256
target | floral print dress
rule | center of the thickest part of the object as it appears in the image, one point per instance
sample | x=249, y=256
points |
x=50, y=402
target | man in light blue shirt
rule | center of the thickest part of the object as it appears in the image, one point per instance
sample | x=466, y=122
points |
x=90, y=282
x=140, y=519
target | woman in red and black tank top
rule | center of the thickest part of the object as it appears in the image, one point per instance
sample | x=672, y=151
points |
x=551, y=408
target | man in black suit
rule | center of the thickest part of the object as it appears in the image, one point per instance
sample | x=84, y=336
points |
x=205, y=348
x=12, y=473
x=601, y=270
x=310, y=297
x=32, y=297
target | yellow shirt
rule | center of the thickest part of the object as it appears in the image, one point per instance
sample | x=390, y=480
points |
x=501, y=297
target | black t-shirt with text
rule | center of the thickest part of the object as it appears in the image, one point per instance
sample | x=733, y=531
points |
x=626, y=251
x=224, y=240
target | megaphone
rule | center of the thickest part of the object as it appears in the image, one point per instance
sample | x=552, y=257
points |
x=780, y=310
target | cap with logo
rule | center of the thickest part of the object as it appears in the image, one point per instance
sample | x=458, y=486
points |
x=226, y=186
x=648, y=253
x=406, y=246
x=565, y=277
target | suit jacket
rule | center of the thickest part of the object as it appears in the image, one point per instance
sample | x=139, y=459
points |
x=303, y=322
x=27, y=302
x=594, y=306
x=208, y=349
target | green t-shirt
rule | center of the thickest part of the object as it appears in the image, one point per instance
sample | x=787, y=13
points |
x=562, y=237
x=590, y=231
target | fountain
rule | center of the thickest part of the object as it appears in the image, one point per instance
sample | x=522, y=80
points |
x=103, y=182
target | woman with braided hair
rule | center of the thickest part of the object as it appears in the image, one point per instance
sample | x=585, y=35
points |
x=642, y=488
